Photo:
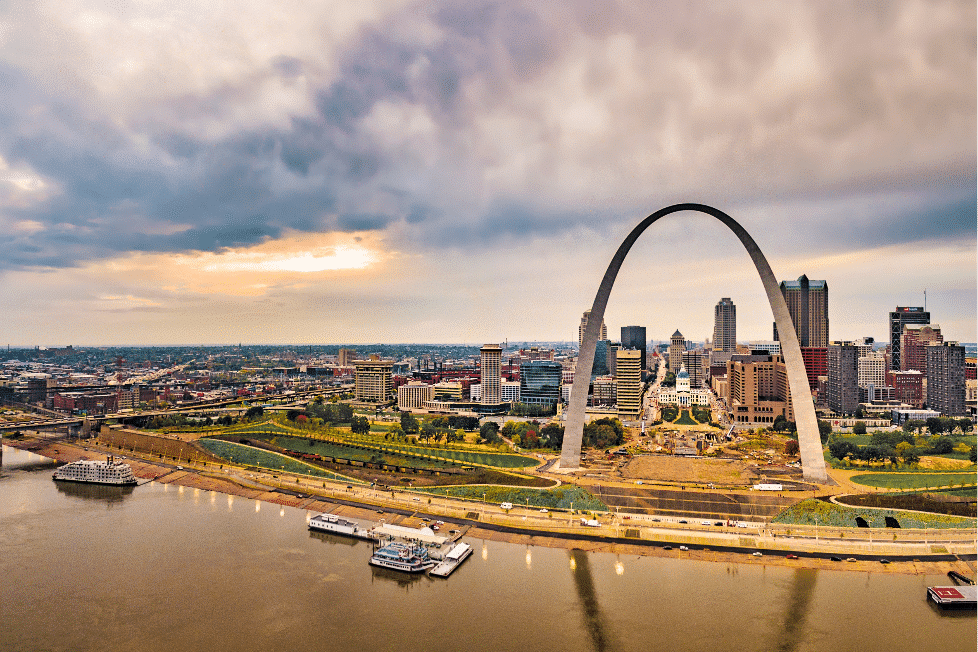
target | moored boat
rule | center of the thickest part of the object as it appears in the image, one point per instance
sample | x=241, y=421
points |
x=336, y=525
x=408, y=558
x=110, y=472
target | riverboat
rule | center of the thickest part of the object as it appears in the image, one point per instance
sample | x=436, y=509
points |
x=403, y=557
x=110, y=472
x=333, y=524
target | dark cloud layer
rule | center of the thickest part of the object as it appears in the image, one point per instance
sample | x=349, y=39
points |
x=525, y=123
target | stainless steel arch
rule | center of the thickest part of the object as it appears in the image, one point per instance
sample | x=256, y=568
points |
x=813, y=463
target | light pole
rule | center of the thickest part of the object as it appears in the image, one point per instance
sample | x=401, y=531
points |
x=816, y=529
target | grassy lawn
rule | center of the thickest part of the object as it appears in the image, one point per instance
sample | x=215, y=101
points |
x=807, y=512
x=561, y=497
x=913, y=480
x=685, y=419
x=250, y=456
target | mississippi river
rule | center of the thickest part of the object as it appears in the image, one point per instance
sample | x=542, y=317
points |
x=173, y=569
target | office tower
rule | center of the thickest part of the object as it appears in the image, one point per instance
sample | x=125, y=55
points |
x=756, y=389
x=945, y=379
x=345, y=357
x=843, y=377
x=613, y=348
x=603, y=335
x=899, y=318
x=633, y=337
x=914, y=341
x=540, y=383
x=629, y=378
x=725, y=326
x=808, y=305
x=677, y=344
x=491, y=376
x=374, y=382
x=693, y=361
x=602, y=349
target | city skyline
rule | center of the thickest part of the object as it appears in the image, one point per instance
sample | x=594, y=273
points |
x=416, y=173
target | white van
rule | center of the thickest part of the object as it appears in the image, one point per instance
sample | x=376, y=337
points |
x=506, y=505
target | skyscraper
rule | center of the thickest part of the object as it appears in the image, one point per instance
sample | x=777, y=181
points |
x=808, y=305
x=914, y=341
x=725, y=326
x=900, y=317
x=491, y=378
x=603, y=335
x=633, y=337
x=540, y=383
x=945, y=379
x=629, y=384
x=677, y=344
x=842, y=386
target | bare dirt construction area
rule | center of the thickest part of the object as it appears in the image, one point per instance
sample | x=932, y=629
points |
x=667, y=468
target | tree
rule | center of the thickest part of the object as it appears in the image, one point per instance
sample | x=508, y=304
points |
x=907, y=452
x=254, y=412
x=791, y=447
x=428, y=429
x=914, y=425
x=840, y=448
x=409, y=424
x=965, y=424
x=973, y=455
x=395, y=431
x=941, y=445
x=859, y=428
x=489, y=432
x=824, y=430
x=780, y=424
x=552, y=435
x=344, y=412
x=935, y=425
x=360, y=425
x=459, y=435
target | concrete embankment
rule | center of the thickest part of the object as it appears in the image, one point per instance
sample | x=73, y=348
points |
x=529, y=528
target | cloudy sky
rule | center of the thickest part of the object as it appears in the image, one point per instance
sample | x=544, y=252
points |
x=371, y=171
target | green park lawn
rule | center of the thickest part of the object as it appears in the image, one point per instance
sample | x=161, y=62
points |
x=909, y=480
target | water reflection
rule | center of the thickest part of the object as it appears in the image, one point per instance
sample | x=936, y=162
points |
x=101, y=492
x=595, y=622
x=799, y=601
x=25, y=461
x=332, y=539
x=404, y=580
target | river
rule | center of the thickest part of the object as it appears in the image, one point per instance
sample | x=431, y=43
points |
x=161, y=567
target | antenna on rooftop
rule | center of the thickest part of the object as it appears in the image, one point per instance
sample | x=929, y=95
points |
x=925, y=298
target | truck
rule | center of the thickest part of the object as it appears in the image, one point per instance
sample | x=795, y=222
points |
x=590, y=522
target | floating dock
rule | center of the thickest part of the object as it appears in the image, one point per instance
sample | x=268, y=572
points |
x=452, y=560
x=953, y=597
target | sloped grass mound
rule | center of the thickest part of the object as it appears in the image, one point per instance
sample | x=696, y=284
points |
x=251, y=456
x=914, y=480
x=807, y=512
x=938, y=502
x=562, y=497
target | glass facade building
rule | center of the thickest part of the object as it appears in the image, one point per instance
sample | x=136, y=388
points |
x=540, y=383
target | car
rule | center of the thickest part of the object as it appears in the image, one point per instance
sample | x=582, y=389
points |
x=720, y=523
x=506, y=505
x=741, y=524
x=417, y=499
x=835, y=558
x=543, y=510
x=435, y=528
x=682, y=520
x=757, y=554
x=455, y=532
x=179, y=468
x=791, y=555
x=380, y=511
x=683, y=548
x=884, y=561
x=656, y=520
x=439, y=522
x=349, y=486
x=850, y=559
x=667, y=547
x=425, y=519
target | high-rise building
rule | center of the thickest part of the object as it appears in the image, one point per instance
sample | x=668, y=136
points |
x=900, y=317
x=871, y=370
x=725, y=326
x=602, y=349
x=677, y=344
x=843, y=377
x=491, y=376
x=908, y=387
x=633, y=337
x=816, y=364
x=603, y=335
x=756, y=389
x=914, y=341
x=629, y=379
x=345, y=357
x=374, y=382
x=808, y=305
x=693, y=361
x=540, y=383
x=945, y=379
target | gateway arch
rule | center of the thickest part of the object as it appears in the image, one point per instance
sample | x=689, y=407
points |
x=813, y=463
